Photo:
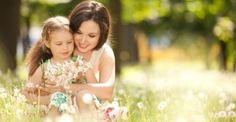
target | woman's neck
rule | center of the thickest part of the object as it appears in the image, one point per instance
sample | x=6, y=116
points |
x=86, y=55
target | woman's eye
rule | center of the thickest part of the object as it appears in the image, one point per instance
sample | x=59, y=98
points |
x=59, y=44
x=92, y=36
x=78, y=32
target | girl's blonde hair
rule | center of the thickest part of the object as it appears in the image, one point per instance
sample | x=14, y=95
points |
x=39, y=52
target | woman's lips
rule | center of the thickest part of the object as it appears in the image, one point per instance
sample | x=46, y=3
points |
x=82, y=45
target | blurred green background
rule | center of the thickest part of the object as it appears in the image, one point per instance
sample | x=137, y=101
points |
x=144, y=31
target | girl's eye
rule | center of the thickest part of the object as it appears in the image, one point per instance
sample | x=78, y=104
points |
x=59, y=44
x=69, y=42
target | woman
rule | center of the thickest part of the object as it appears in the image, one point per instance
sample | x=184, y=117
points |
x=90, y=22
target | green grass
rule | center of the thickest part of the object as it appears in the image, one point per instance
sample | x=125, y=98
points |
x=161, y=92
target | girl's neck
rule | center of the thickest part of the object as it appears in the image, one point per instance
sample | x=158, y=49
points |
x=54, y=60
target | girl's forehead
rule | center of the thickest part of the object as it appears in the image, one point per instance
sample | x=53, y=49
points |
x=61, y=35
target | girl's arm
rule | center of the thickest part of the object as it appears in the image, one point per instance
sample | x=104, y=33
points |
x=32, y=87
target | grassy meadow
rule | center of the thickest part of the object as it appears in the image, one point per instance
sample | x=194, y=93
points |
x=160, y=92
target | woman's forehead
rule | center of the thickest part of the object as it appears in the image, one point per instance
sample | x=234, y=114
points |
x=89, y=26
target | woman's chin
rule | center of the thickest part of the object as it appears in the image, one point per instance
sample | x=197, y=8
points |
x=83, y=50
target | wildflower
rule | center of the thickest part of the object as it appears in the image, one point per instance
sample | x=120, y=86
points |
x=121, y=91
x=64, y=107
x=87, y=98
x=16, y=91
x=231, y=114
x=2, y=90
x=140, y=105
x=198, y=118
x=20, y=98
x=29, y=85
x=162, y=105
x=202, y=96
x=221, y=114
x=65, y=118
x=231, y=106
x=3, y=93
x=222, y=95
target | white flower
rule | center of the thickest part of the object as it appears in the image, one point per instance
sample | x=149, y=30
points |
x=16, y=91
x=231, y=106
x=115, y=104
x=231, y=114
x=64, y=107
x=3, y=93
x=221, y=114
x=2, y=90
x=29, y=85
x=65, y=118
x=162, y=105
x=202, y=96
x=121, y=91
x=87, y=98
x=140, y=105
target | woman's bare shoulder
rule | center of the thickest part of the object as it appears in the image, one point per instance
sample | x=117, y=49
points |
x=108, y=51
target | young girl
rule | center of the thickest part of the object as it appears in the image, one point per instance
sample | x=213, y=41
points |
x=48, y=61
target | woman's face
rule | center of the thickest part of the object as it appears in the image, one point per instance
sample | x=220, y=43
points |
x=87, y=36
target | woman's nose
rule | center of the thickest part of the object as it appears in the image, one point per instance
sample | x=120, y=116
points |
x=83, y=39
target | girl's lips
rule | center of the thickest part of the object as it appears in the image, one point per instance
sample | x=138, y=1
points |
x=65, y=53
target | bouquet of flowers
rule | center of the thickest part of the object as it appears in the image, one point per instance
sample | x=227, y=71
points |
x=65, y=73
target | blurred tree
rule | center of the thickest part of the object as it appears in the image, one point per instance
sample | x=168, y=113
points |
x=195, y=16
x=115, y=9
x=9, y=31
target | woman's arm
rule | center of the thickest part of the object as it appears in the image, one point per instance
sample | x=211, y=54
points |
x=104, y=88
x=90, y=76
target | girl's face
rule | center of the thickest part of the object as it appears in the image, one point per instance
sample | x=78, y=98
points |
x=61, y=44
x=87, y=36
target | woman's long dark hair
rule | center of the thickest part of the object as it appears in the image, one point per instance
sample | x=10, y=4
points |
x=92, y=10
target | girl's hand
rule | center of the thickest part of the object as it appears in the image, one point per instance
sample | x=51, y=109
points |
x=51, y=88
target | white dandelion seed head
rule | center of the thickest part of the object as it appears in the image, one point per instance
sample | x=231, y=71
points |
x=231, y=114
x=162, y=105
x=115, y=104
x=3, y=95
x=221, y=114
x=202, y=96
x=29, y=85
x=65, y=118
x=222, y=95
x=16, y=90
x=140, y=105
x=121, y=91
x=87, y=98
x=2, y=90
x=64, y=107
x=230, y=107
